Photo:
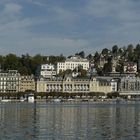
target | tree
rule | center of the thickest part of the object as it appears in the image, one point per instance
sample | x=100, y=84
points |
x=82, y=54
x=61, y=73
x=119, y=68
x=105, y=51
x=11, y=61
x=120, y=51
x=55, y=59
x=1, y=62
x=26, y=62
x=107, y=68
x=130, y=52
x=90, y=57
x=35, y=62
x=83, y=72
x=68, y=71
x=115, y=50
x=137, y=51
x=130, y=48
x=23, y=70
x=96, y=57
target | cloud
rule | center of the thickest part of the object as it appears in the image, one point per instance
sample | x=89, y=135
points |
x=20, y=24
x=116, y=22
x=43, y=45
x=17, y=37
x=64, y=28
x=37, y=3
x=12, y=8
x=10, y=12
x=63, y=17
x=120, y=10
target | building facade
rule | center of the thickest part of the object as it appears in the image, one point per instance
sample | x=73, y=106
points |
x=72, y=63
x=27, y=83
x=129, y=86
x=76, y=85
x=9, y=81
x=47, y=70
x=41, y=85
x=130, y=67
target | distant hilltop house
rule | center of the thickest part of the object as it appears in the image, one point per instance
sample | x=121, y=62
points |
x=72, y=63
x=102, y=61
x=130, y=67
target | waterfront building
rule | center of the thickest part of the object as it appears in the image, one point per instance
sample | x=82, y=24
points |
x=27, y=83
x=76, y=85
x=9, y=81
x=72, y=63
x=47, y=70
x=130, y=86
x=107, y=84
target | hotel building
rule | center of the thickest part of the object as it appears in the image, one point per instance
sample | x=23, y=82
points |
x=129, y=86
x=9, y=81
x=72, y=63
x=27, y=83
x=76, y=85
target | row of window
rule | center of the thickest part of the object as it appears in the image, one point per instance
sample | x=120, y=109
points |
x=72, y=64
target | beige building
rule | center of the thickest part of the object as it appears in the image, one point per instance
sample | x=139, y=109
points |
x=76, y=85
x=27, y=83
x=72, y=63
x=41, y=85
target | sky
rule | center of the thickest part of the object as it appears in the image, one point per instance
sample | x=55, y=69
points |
x=54, y=27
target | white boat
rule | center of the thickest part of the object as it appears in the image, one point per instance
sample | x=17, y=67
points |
x=57, y=100
x=22, y=99
x=31, y=98
x=70, y=100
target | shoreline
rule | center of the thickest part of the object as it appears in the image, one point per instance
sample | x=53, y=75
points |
x=72, y=100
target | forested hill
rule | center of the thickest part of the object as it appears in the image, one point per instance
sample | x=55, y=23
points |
x=27, y=64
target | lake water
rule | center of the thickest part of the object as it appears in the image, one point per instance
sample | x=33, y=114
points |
x=70, y=121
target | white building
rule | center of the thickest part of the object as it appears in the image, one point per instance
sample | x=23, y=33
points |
x=130, y=67
x=130, y=85
x=9, y=81
x=47, y=70
x=72, y=63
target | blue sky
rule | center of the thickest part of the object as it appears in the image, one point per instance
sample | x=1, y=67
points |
x=54, y=27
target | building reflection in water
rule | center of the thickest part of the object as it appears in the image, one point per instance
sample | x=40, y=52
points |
x=69, y=121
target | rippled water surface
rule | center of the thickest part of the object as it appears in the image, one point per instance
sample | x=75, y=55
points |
x=67, y=121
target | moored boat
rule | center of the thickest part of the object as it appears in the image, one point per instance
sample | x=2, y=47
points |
x=31, y=98
x=57, y=100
